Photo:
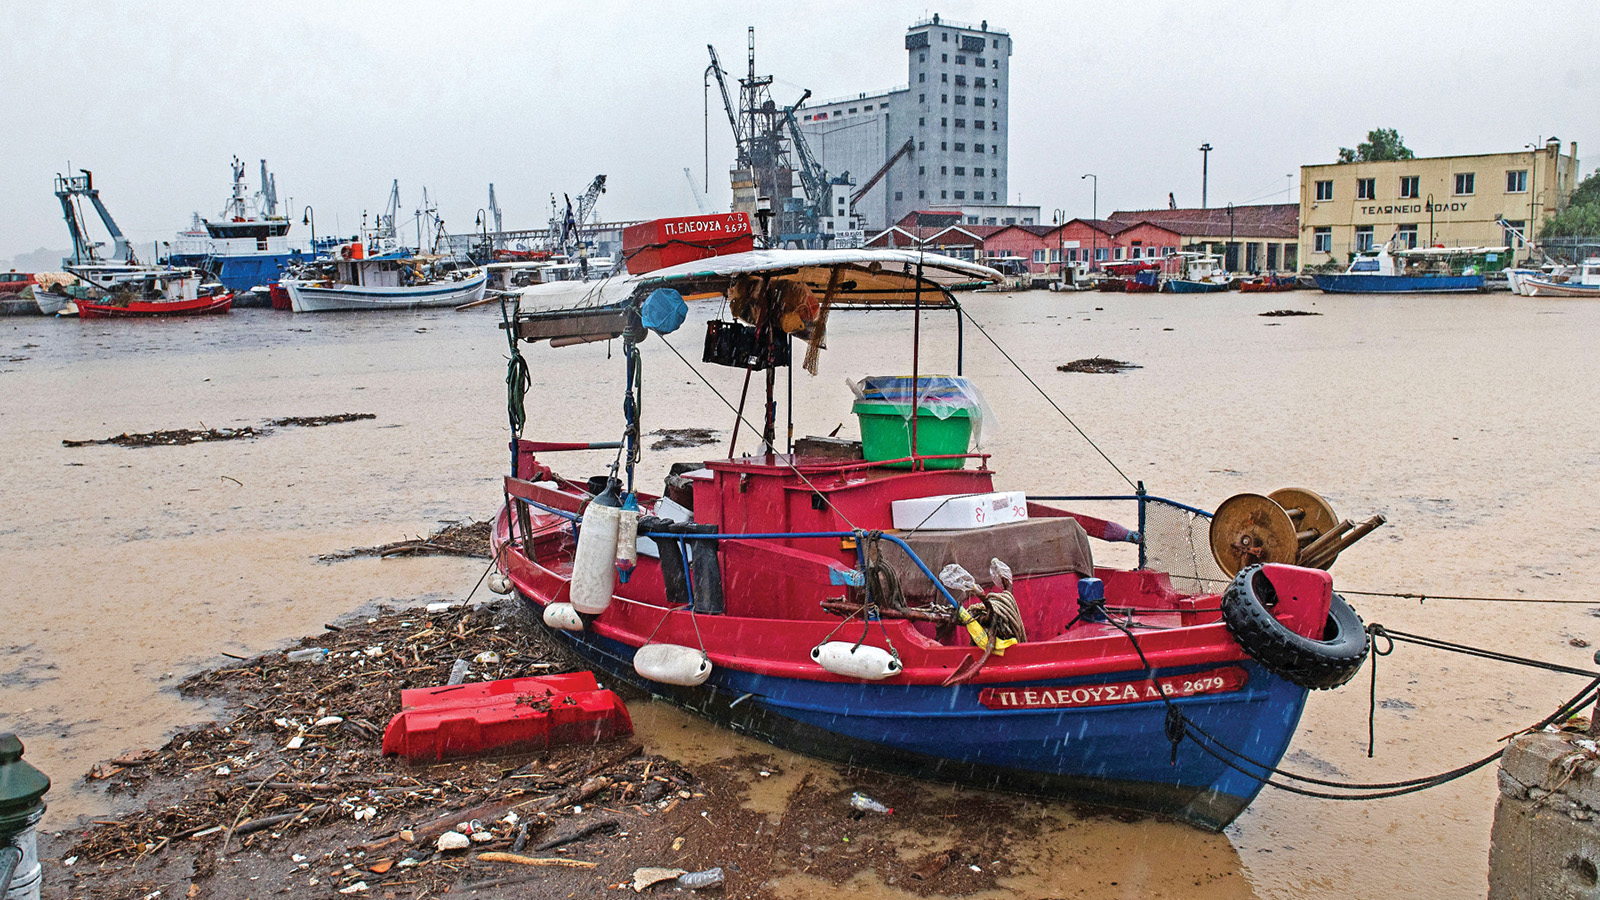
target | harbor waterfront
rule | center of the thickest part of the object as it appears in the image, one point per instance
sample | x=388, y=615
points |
x=157, y=560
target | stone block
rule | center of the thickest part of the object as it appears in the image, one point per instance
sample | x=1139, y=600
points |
x=1545, y=844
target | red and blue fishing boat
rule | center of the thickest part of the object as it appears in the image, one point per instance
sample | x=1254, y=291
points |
x=818, y=593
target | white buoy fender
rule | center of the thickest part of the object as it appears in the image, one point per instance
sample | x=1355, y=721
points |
x=499, y=583
x=847, y=659
x=562, y=616
x=672, y=664
x=594, y=566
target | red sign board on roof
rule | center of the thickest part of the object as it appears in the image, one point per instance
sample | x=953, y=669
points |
x=667, y=242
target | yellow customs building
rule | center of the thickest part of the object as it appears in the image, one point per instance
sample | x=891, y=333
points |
x=1451, y=201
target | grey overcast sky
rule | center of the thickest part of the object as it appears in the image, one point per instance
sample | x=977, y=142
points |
x=537, y=97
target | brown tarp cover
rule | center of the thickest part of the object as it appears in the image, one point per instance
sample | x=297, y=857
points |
x=1042, y=546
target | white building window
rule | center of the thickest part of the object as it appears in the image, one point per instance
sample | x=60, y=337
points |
x=1366, y=188
x=1038, y=256
x=1406, y=236
x=1410, y=187
x=1363, y=238
x=1322, y=238
x=1465, y=183
x=1055, y=254
x=1325, y=190
x=1100, y=254
x=1512, y=229
x=1517, y=181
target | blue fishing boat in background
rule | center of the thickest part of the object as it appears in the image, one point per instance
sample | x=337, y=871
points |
x=245, y=249
x=1431, y=270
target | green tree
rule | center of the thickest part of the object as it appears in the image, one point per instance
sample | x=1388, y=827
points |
x=1381, y=144
x=1581, y=218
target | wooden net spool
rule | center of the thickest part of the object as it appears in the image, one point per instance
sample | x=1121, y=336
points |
x=1248, y=529
x=1313, y=517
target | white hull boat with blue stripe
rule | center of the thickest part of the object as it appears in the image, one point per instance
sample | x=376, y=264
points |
x=306, y=296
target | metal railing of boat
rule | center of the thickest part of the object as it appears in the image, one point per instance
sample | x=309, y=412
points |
x=1144, y=501
x=1141, y=497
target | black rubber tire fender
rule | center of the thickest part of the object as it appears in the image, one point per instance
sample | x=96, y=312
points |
x=1310, y=663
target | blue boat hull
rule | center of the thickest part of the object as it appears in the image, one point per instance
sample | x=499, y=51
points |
x=1116, y=755
x=1181, y=286
x=1347, y=283
x=242, y=272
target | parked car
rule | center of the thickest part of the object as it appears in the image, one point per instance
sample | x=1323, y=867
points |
x=13, y=282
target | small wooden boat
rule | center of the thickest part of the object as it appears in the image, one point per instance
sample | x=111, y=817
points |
x=1185, y=286
x=1198, y=273
x=1263, y=284
x=798, y=597
x=110, y=308
x=132, y=291
x=1583, y=283
x=1133, y=277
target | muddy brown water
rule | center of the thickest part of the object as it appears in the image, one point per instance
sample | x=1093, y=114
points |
x=1471, y=422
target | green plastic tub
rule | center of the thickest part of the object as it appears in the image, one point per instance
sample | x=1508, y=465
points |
x=886, y=434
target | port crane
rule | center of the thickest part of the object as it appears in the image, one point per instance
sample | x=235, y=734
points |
x=269, y=192
x=771, y=151
x=566, y=223
x=70, y=190
x=699, y=204
x=906, y=149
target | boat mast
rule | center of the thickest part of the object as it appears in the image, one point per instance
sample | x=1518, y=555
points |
x=235, y=210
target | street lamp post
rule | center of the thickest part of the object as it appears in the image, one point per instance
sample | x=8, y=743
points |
x=483, y=221
x=1205, y=171
x=1094, y=236
x=1229, y=249
x=1430, y=220
x=1533, y=194
x=309, y=217
x=1061, y=243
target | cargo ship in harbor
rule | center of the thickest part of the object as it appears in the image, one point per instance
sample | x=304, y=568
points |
x=245, y=248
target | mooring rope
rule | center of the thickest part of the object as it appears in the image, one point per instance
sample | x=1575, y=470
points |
x=1180, y=726
x=1422, y=597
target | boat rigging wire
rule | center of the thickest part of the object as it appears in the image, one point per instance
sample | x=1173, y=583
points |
x=740, y=415
x=1029, y=379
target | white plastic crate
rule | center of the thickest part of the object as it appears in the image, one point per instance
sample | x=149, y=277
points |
x=950, y=512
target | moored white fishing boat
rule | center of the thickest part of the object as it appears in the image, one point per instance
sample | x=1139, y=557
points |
x=1585, y=282
x=355, y=281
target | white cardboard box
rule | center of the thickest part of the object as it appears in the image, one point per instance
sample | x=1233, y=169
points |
x=955, y=511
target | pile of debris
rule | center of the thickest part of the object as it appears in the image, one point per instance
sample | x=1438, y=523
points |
x=454, y=539
x=180, y=436
x=1097, y=365
x=169, y=438
x=291, y=795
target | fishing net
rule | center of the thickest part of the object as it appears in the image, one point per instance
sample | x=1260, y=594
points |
x=1177, y=542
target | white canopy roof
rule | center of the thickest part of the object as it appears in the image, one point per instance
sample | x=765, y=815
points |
x=866, y=276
